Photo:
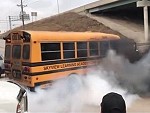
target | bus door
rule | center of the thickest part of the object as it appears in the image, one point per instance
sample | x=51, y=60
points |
x=16, y=61
x=16, y=56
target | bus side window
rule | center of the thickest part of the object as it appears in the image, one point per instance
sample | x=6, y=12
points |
x=104, y=47
x=50, y=51
x=69, y=50
x=81, y=49
x=26, y=51
x=93, y=46
x=114, y=45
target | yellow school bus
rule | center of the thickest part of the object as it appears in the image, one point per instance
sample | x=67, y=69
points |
x=33, y=58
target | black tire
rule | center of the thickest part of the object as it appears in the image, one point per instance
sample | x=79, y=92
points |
x=32, y=89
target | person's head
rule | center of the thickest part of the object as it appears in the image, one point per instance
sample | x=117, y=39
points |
x=113, y=103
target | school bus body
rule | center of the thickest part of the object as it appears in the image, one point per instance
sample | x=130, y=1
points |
x=39, y=57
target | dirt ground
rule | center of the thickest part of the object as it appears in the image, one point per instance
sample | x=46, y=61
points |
x=69, y=22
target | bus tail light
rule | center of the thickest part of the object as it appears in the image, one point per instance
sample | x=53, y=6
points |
x=26, y=69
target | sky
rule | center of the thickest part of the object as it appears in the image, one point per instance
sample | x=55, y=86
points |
x=44, y=8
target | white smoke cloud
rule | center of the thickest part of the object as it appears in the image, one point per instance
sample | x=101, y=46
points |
x=82, y=93
x=134, y=77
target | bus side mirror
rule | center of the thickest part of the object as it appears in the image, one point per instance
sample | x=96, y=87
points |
x=7, y=39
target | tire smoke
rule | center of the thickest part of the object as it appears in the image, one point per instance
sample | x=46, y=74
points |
x=83, y=93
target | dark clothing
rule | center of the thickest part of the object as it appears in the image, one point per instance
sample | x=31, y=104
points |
x=113, y=103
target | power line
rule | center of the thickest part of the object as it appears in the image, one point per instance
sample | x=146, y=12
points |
x=33, y=2
x=3, y=20
x=23, y=1
x=10, y=9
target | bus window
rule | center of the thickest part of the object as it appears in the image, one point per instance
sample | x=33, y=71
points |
x=16, y=51
x=50, y=51
x=114, y=44
x=104, y=47
x=26, y=51
x=93, y=47
x=81, y=49
x=7, y=51
x=69, y=50
x=26, y=37
x=15, y=36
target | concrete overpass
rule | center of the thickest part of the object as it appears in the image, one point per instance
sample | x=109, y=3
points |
x=105, y=6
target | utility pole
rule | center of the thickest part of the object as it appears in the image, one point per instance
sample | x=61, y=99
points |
x=10, y=22
x=58, y=6
x=22, y=13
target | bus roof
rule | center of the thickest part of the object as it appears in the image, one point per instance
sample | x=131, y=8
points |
x=69, y=36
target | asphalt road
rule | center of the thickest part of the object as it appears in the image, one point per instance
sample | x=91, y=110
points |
x=140, y=105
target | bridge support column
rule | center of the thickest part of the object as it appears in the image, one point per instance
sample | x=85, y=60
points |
x=145, y=4
x=146, y=26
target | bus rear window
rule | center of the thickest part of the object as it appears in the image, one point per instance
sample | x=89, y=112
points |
x=16, y=51
x=50, y=51
x=7, y=51
x=26, y=52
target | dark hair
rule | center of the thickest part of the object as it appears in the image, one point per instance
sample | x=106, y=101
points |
x=113, y=103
